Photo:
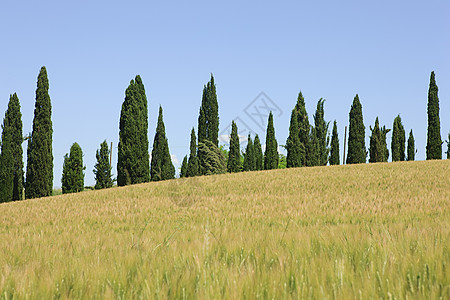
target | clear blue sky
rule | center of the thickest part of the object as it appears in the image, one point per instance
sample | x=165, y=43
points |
x=382, y=50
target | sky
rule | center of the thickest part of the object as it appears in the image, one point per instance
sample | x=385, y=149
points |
x=261, y=53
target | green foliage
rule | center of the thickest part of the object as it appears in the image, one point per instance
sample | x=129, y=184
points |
x=313, y=149
x=398, y=140
x=102, y=169
x=356, y=134
x=293, y=145
x=208, y=120
x=259, y=157
x=184, y=166
x=73, y=175
x=448, y=146
x=11, y=169
x=193, y=167
x=213, y=161
x=133, y=158
x=321, y=129
x=378, y=148
x=282, y=161
x=411, y=147
x=271, y=153
x=6, y=164
x=249, y=156
x=161, y=166
x=303, y=126
x=234, y=155
x=39, y=182
x=334, y=153
x=434, y=142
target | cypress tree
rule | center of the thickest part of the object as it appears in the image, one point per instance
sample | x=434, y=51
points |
x=334, y=153
x=133, y=158
x=6, y=164
x=356, y=152
x=259, y=157
x=249, y=157
x=313, y=149
x=193, y=168
x=73, y=175
x=398, y=140
x=321, y=129
x=411, y=147
x=161, y=166
x=303, y=126
x=12, y=126
x=378, y=148
x=271, y=153
x=102, y=169
x=184, y=165
x=213, y=158
x=293, y=146
x=434, y=142
x=234, y=155
x=39, y=182
x=208, y=121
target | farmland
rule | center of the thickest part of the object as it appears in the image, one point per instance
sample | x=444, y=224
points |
x=356, y=231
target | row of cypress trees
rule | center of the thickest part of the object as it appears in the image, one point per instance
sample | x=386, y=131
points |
x=307, y=145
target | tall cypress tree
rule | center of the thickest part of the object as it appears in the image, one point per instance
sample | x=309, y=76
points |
x=161, y=166
x=249, y=156
x=293, y=146
x=434, y=142
x=208, y=121
x=39, y=182
x=193, y=167
x=303, y=126
x=321, y=129
x=411, y=147
x=356, y=152
x=73, y=176
x=259, y=157
x=313, y=149
x=334, y=153
x=378, y=148
x=133, y=158
x=184, y=165
x=271, y=153
x=102, y=169
x=234, y=155
x=6, y=164
x=12, y=126
x=398, y=140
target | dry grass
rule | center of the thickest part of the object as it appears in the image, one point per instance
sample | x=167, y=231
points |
x=365, y=231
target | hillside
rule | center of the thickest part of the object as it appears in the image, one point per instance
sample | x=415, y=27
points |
x=355, y=231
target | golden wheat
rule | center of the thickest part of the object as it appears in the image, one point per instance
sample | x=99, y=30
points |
x=362, y=231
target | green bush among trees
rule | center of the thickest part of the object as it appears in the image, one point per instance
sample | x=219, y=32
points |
x=73, y=171
x=102, y=169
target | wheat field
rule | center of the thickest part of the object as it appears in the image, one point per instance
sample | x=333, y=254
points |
x=366, y=231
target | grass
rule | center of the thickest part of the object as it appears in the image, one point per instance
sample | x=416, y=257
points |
x=362, y=231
